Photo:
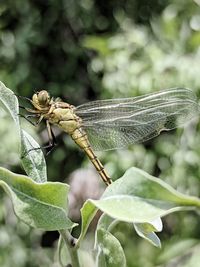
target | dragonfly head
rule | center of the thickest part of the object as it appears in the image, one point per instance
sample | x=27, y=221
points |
x=41, y=99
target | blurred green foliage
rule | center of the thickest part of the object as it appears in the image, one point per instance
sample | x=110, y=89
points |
x=91, y=49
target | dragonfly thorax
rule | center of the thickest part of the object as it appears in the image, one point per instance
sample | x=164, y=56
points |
x=65, y=118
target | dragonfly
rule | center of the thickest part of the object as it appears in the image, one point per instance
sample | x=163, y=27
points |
x=115, y=123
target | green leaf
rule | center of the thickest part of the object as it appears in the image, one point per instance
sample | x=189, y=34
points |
x=110, y=252
x=136, y=182
x=147, y=231
x=33, y=161
x=10, y=102
x=144, y=230
x=138, y=197
x=106, y=222
x=40, y=205
x=88, y=212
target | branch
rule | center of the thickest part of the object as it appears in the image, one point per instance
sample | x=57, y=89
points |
x=70, y=242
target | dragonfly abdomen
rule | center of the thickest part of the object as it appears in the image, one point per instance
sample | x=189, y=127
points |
x=80, y=138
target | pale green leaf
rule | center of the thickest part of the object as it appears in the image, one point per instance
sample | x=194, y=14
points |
x=147, y=231
x=33, y=161
x=138, y=197
x=144, y=230
x=88, y=212
x=110, y=252
x=10, y=102
x=136, y=182
x=40, y=205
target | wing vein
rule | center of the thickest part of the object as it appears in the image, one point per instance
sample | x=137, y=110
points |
x=117, y=123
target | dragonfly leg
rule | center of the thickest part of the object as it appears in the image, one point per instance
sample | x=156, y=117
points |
x=23, y=97
x=27, y=152
x=26, y=117
x=35, y=115
x=30, y=110
x=52, y=139
x=22, y=107
x=49, y=147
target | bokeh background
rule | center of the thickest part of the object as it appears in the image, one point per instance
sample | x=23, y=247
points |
x=83, y=50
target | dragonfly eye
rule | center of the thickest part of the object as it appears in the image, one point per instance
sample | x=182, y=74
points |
x=42, y=98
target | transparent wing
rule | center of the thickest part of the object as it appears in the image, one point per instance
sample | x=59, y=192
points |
x=117, y=123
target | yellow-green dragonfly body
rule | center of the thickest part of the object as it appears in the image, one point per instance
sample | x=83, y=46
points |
x=116, y=123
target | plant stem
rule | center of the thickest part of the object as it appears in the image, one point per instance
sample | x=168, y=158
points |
x=70, y=242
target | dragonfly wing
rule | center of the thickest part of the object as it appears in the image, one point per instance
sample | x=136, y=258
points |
x=108, y=138
x=117, y=123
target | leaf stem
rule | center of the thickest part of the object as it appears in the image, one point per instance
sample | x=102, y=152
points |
x=70, y=242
